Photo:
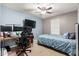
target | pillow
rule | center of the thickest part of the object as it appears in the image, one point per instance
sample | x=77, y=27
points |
x=72, y=36
x=66, y=35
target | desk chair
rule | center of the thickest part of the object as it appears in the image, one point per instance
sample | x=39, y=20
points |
x=22, y=48
x=24, y=41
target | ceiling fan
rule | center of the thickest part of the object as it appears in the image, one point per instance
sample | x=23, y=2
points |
x=45, y=10
x=41, y=9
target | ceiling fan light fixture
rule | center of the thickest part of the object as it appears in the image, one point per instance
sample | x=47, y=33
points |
x=43, y=12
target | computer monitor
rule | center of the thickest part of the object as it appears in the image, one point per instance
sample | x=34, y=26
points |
x=5, y=28
x=17, y=28
x=30, y=23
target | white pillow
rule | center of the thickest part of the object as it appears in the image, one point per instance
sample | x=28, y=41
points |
x=66, y=35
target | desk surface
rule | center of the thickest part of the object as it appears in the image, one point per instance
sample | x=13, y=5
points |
x=8, y=38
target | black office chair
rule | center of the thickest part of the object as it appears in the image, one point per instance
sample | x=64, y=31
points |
x=23, y=42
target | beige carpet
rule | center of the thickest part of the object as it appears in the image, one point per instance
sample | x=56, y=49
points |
x=38, y=50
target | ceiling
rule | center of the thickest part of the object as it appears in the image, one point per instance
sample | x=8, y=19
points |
x=32, y=8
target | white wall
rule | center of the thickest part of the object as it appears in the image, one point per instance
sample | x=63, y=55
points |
x=1, y=14
x=67, y=23
x=14, y=17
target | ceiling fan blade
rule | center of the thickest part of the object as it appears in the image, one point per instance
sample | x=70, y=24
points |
x=49, y=8
x=39, y=8
x=50, y=12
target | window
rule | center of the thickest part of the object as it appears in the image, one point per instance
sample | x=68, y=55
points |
x=55, y=26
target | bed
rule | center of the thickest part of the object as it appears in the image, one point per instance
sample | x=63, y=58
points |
x=59, y=43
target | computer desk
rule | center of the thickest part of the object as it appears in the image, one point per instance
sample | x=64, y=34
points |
x=13, y=39
x=8, y=38
x=7, y=41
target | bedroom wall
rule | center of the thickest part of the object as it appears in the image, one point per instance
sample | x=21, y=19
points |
x=67, y=23
x=1, y=14
x=11, y=16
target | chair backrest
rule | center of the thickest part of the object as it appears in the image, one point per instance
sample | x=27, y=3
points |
x=25, y=36
x=24, y=40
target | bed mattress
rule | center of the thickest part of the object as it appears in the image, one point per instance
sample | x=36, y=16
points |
x=58, y=42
